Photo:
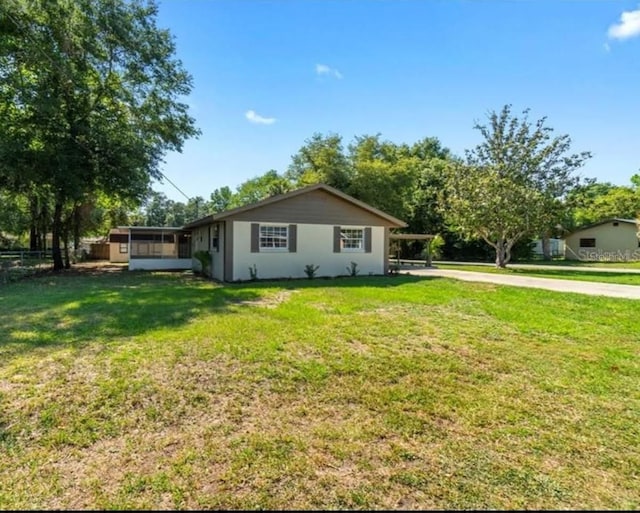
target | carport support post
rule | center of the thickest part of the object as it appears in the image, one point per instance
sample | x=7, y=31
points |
x=428, y=262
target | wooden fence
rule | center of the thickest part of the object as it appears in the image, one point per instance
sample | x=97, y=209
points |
x=18, y=264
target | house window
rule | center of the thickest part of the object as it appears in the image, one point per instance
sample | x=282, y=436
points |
x=352, y=239
x=587, y=243
x=215, y=238
x=124, y=247
x=274, y=237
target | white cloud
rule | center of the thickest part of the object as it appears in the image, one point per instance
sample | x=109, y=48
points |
x=628, y=27
x=323, y=69
x=254, y=117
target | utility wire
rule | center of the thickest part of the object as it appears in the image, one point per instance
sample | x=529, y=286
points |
x=176, y=187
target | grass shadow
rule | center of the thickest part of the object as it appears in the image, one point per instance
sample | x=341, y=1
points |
x=71, y=310
x=74, y=309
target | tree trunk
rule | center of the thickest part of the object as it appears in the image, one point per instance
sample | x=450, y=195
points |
x=33, y=236
x=76, y=228
x=546, y=247
x=33, y=229
x=501, y=253
x=56, y=232
x=67, y=261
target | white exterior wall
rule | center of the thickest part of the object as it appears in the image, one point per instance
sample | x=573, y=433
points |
x=314, y=246
x=159, y=264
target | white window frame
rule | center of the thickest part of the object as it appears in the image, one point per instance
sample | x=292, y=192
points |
x=275, y=238
x=349, y=230
x=124, y=248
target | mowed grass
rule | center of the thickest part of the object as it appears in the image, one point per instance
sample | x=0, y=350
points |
x=163, y=391
x=621, y=278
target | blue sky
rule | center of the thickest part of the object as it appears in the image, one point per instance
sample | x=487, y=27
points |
x=269, y=74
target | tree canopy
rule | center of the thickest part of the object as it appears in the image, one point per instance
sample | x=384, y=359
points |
x=90, y=100
x=513, y=184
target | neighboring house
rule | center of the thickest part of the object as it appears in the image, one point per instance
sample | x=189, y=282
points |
x=556, y=247
x=316, y=225
x=150, y=247
x=613, y=240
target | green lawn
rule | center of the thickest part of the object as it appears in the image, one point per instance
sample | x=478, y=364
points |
x=606, y=277
x=127, y=391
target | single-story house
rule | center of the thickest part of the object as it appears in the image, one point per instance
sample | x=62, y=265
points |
x=151, y=247
x=277, y=237
x=611, y=240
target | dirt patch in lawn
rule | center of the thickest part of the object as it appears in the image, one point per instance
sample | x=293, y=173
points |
x=270, y=301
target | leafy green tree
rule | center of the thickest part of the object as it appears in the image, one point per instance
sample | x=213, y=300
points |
x=14, y=218
x=383, y=174
x=260, y=187
x=320, y=160
x=597, y=201
x=89, y=101
x=158, y=209
x=221, y=199
x=194, y=209
x=512, y=185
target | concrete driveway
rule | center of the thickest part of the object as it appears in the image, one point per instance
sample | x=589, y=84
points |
x=548, y=267
x=579, y=287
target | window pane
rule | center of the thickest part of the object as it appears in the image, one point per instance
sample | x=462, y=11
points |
x=272, y=237
x=352, y=238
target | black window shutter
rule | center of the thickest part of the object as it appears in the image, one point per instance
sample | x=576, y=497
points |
x=336, y=239
x=255, y=238
x=293, y=238
x=367, y=240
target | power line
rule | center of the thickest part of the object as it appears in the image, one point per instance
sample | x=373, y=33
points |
x=176, y=187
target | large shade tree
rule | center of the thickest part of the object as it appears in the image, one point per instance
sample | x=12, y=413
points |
x=513, y=184
x=90, y=100
x=597, y=201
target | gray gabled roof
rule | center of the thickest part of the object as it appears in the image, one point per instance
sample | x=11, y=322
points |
x=605, y=221
x=281, y=197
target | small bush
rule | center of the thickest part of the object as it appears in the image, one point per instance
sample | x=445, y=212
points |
x=353, y=269
x=310, y=270
x=253, y=273
x=204, y=257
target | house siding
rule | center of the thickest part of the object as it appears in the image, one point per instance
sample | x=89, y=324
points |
x=613, y=243
x=117, y=235
x=314, y=207
x=314, y=246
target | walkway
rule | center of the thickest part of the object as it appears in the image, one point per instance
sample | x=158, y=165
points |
x=580, y=287
x=549, y=267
